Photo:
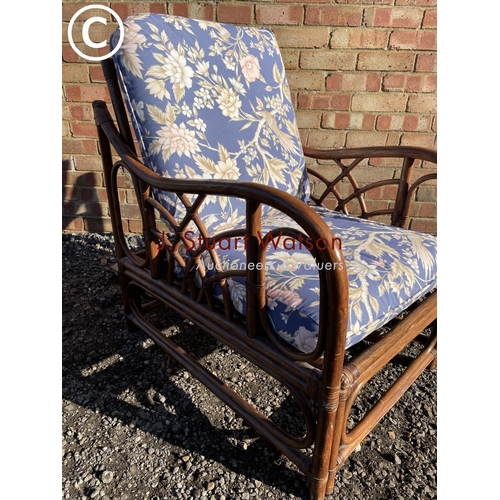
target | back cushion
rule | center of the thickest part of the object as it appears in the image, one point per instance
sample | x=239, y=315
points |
x=210, y=101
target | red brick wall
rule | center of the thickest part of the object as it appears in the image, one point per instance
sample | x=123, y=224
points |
x=362, y=73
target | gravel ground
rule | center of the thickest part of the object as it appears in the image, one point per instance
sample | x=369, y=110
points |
x=135, y=426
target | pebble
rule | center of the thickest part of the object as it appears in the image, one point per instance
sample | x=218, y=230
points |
x=107, y=477
x=117, y=440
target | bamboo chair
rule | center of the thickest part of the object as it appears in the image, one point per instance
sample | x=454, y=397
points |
x=222, y=166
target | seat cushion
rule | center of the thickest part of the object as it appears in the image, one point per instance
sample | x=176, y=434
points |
x=389, y=268
x=210, y=101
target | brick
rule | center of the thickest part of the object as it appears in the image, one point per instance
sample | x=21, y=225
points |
x=404, y=40
x=66, y=132
x=418, y=3
x=70, y=193
x=422, y=103
x=427, y=210
x=72, y=224
x=290, y=58
x=304, y=1
x=424, y=225
x=67, y=164
x=84, y=129
x=323, y=139
x=365, y=174
x=101, y=225
x=135, y=226
x=389, y=192
x=308, y=119
x=373, y=194
x=75, y=73
x=130, y=211
x=235, y=14
x=394, y=81
x=388, y=61
x=421, y=140
x=417, y=123
x=69, y=55
x=125, y=9
x=427, y=40
x=366, y=2
x=379, y=102
x=388, y=162
x=392, y=139
x=96, y=74
x=413, y=40
x=204, y=11
x=353, y=82
x=69, y=9
x=85, y=179
x=66, y=115
x=79, y=146
x=123, y=180
x=362, y=38
x=86, y=93
x=334, y=16
x=310, y=80
x=130, y=196
x=302, y=37
x=348, y=121
x=426, y=169
x=426, y=63
x=430, y=19
x=79, y=111
x=333, y=60
x=324, y=100
x=393, y=17
x=279, y=14
x=409, y=83
x=79, y=207
x=88, y=163
x=426, y=83
x=389, y=122
x=96, y=194
x=360, y=139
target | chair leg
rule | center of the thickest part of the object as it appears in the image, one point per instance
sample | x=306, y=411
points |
x=334, y=455
x=326, y=444
x=128, y=296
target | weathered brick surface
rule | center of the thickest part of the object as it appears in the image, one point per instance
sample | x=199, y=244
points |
x=361, y=72
x=279, y=14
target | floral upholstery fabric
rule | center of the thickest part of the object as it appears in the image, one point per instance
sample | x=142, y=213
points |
x=210, y=101
x=389, y=269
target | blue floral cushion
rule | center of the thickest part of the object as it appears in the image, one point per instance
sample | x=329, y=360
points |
x=210, y=101
x=389, y=269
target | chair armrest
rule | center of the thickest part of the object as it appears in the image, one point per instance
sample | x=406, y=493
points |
x=406, y=188
x=334, y=284
x=373, y=152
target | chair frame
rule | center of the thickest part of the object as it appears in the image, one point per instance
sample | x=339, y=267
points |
x=322, y=376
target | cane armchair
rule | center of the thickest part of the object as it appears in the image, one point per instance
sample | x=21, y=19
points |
x=237, y=242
